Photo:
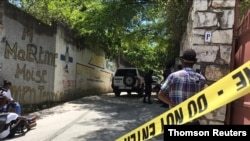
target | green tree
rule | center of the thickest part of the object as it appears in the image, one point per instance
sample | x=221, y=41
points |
x=243, y=7
x=147, y=32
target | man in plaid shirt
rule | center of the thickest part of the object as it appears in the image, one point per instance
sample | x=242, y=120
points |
x=184, y=83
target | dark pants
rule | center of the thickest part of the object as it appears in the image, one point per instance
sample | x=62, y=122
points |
x=148, y=91
x=16, y=106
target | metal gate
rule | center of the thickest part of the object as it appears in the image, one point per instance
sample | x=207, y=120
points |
x=238, y=112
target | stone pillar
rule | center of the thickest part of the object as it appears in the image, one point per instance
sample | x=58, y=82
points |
x=210, y=33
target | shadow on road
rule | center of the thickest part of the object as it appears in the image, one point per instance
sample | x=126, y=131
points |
x=114, y=116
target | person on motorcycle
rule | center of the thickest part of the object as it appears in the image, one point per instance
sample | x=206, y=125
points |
x=11, y=106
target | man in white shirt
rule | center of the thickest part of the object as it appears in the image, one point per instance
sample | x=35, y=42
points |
x=12, y=106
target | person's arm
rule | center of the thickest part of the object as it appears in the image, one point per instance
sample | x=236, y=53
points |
x=164, y=98
x=9, y=95
x=5, y=94
x=3, y=100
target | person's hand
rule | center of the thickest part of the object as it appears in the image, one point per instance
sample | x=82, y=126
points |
x=11, y=101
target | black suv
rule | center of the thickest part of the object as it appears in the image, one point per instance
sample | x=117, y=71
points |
x=127, y=80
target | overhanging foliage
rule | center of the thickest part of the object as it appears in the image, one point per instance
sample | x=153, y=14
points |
x=147, y=32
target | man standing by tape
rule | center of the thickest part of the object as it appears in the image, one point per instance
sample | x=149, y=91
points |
x=182, y=84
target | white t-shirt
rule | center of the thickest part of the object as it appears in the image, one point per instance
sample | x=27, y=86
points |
x=10, y=117
x=8, y=94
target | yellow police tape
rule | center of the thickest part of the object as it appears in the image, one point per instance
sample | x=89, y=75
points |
x=229, y=88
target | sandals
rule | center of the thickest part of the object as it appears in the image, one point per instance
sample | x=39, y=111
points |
x=31, y=122
x=31, y=119
x=32, y=125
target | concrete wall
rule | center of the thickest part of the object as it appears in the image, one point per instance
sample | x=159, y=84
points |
x=43, y=63
x=80, y=72
x=27, y=55
x=210, y=33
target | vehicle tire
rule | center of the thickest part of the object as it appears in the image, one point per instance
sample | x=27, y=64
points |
x=117, y=93
x=129, y=92
x=129, y=80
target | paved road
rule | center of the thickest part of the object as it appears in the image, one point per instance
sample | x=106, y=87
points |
x=93, y=118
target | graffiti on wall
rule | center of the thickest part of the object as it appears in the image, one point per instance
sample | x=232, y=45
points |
x=67, y=58
x=27, y=94
x=28, y=32
x=67, y=84
x=31, y=53
x=98, y=74
x=91, y=77
x=31, y=95
x=37, y=76
x=97, y=60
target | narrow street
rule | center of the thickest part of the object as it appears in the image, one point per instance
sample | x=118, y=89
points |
x=93, y=118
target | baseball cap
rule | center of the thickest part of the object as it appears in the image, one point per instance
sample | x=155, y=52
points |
x=189, y=56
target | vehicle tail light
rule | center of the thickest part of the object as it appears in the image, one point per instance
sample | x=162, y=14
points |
x=138, y=81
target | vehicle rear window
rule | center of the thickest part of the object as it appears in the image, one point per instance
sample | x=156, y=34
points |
x=123, y=72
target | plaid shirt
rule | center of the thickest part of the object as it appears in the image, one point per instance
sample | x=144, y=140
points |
x=182, y=84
